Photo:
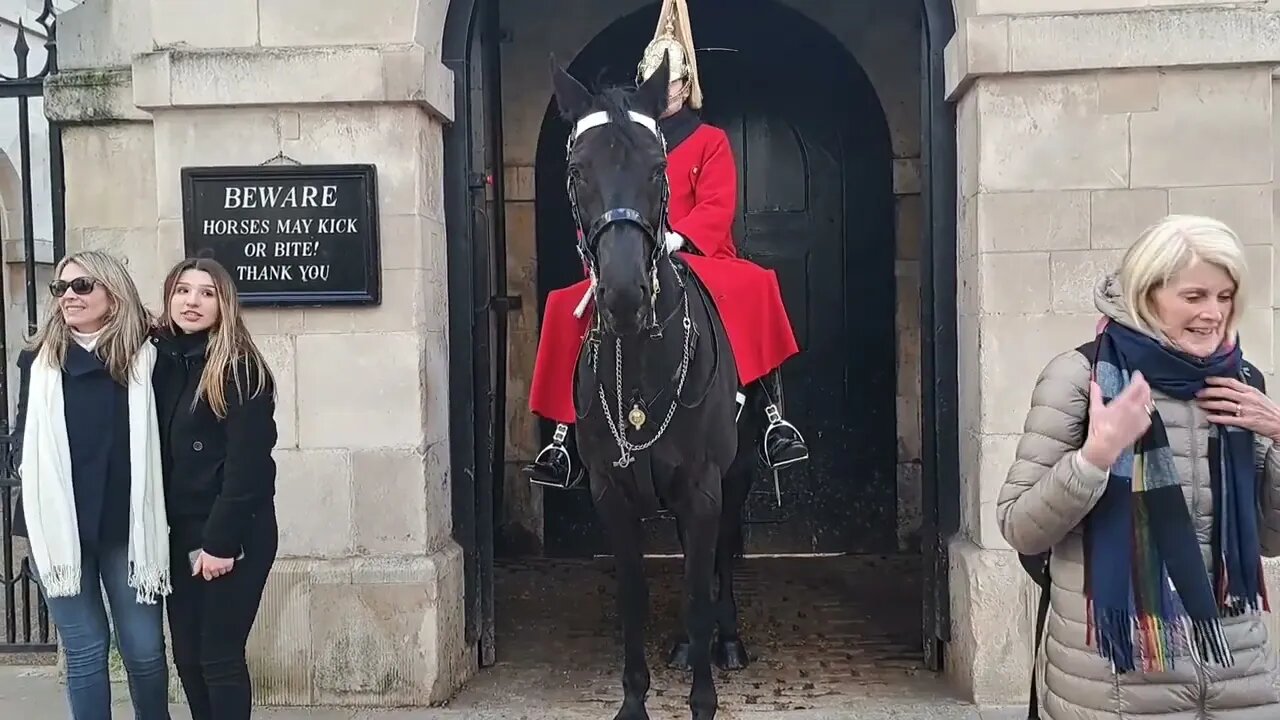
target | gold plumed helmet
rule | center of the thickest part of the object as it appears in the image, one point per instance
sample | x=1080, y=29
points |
x=674, y=38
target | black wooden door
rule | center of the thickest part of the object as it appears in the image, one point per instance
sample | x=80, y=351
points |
x=815, y=204
x=799, y=190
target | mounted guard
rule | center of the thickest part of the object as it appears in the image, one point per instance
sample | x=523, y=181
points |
x=702, y=185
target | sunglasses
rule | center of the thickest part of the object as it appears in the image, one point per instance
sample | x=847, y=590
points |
x=82, y=285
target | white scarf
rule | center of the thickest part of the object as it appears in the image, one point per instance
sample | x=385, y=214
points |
x=48, y=500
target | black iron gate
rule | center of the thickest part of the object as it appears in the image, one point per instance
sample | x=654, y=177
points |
x=26, y=618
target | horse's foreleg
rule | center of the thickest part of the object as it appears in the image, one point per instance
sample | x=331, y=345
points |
x=633, y=602
x=678, y=658
x=701, y=535
x=729, y=651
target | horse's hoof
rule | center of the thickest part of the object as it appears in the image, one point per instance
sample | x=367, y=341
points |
x=678, y=659
x=730, y=654
x=632, y=713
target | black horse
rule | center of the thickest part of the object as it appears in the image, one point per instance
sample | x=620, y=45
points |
x=656, y=387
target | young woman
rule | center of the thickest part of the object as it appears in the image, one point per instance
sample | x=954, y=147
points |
x=216, y=400
x=92, y=502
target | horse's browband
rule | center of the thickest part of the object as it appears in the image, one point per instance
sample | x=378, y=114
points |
x=600, y=117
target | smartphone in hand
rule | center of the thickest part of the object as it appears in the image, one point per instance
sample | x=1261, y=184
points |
x=191, y=558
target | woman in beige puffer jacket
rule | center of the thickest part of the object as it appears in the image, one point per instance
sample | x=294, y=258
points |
x=1187, y=281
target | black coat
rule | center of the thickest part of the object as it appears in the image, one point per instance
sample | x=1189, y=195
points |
x=218, y=474
x=96, y=408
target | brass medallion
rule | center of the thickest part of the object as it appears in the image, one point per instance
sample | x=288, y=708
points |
x=637, y=417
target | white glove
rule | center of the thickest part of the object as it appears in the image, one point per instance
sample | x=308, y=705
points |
x=674, y=242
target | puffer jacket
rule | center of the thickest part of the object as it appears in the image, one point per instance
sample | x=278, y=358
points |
x=1048, y=493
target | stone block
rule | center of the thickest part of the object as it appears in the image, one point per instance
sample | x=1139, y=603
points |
x=1118, y=217
x=389, y=509
x=380, y=135
x=1257, y=333
x=1262, y=280
x=335, y=75
x=996, y=454
x=202, y=24
x=214, y=136
x=1017, y=222
x=1057, y=42
x=313, y=502
x=97, y=96
x=968, y=144
x=1014, y=349
x=1075, y=274
x=1015, y=282
x=277, y=350
x=136, y=247
x=396, y=642
x=1046, y=133
x=103, y=34
x=376, y=631
x=519, y=183
x=906, y=176
x=1222, y=120
x=989, y=657
x=363, y=390
x=370, y=22
x=436, y=390
x=125, y=152
x=909, y=224
x=1128, y=91
x=1246, y=209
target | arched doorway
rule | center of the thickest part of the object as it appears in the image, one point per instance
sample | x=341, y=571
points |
x=478, y=304
x=816, y=205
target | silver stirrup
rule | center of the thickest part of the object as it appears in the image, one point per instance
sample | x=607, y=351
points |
x=557, y=446
x=775, y=423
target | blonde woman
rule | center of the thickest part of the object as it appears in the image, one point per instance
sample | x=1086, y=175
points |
x=217, y=424
x=1149, y=469
x=92, y=502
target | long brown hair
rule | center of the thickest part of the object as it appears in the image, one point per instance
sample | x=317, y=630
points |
x=231, y=349
x=127, y=322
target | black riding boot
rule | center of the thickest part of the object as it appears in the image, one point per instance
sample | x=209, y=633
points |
x=782, y=443
x=554, y=467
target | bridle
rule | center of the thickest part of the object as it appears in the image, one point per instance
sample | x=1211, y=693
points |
x=589, y=235
x=588, y=241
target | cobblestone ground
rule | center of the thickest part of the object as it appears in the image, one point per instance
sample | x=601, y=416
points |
x=823, y=634
x=829, y=638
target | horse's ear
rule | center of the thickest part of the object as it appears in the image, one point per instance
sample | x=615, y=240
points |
x=572, y=98
x=651, y=96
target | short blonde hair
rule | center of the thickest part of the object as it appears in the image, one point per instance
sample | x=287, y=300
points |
x=1172, y=245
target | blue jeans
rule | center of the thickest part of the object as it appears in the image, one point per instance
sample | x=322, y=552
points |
x=85, y=635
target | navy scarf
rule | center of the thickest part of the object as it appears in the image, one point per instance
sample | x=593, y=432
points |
x=1149, y=596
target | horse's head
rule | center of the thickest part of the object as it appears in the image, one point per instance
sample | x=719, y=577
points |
x=618, y=190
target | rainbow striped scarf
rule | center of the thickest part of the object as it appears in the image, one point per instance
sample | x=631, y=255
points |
x=1150, y=599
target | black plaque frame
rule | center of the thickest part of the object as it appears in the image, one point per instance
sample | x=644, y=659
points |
x=371, y=294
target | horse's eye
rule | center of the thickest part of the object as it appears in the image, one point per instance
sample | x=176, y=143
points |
x=575, y=173
x=659, y=174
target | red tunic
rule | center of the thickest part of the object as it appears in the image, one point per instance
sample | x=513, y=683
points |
x=704, y=192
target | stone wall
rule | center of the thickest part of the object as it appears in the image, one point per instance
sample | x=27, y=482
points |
x=1076, y=131
x=884, y=39
x=364, y=605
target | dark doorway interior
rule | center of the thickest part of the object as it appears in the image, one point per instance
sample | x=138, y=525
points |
x=816, y=205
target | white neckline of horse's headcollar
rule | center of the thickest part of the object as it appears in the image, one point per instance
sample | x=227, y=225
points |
x=598, y=118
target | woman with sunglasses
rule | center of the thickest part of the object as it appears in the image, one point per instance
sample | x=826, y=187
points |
x=92, y=497
x=216, y=399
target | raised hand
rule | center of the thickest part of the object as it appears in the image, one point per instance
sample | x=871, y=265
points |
x=1117, y=425
x=1231, y=402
